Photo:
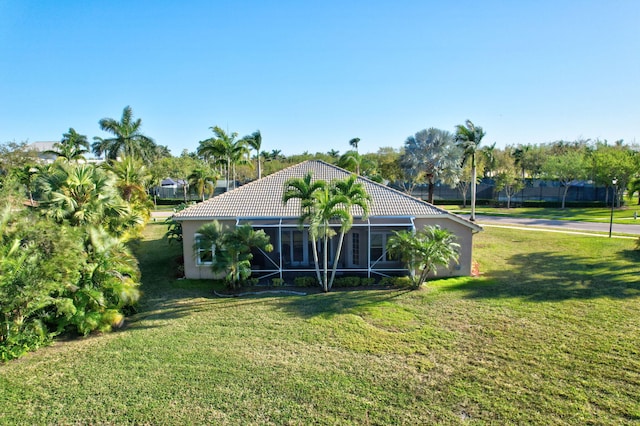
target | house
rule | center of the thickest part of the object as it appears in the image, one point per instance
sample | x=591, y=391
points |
x=259, y=203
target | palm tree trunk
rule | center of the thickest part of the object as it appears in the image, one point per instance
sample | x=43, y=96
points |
x=473, y=189
x=259, y=165
x=314, y=249
x=430, y=197
x=325, y=285
x=337, y=258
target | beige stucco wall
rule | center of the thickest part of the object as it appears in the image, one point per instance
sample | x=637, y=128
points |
x=464, y=238
x=191, y=269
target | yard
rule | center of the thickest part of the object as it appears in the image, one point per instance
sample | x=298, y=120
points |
x=547, y=335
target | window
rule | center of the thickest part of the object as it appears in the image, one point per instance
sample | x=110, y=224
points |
x=293, y=247
x=379, y=247
x=205, y=251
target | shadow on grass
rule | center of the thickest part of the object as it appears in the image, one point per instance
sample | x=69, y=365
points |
x=336, y=302
x=543, y=276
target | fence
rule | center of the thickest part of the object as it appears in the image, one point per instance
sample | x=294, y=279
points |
x=535, y=191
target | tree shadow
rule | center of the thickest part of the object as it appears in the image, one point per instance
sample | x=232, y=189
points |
x=544, y=276
x=336, y=302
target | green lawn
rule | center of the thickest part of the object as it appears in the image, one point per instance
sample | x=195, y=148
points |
x=603, y=215
x=548, y=335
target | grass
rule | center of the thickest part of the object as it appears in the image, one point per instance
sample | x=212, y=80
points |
x=623, y=215
x=547, y=335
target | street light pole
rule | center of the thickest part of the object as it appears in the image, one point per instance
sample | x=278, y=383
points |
x=613, y=202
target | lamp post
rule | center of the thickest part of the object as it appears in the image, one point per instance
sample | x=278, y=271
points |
x=613, y=203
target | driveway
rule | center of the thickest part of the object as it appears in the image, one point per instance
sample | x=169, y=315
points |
x=558, y=224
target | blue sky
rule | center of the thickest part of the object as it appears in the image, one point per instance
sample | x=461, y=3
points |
x=313, y=74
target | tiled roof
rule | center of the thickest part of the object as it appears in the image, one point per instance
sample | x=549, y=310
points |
x=263, y=198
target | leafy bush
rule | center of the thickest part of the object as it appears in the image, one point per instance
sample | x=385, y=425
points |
x=399, y=282
x=174, y=228
x=277, y=282
x=343, y=282
x=305, y=281
x=38, y=261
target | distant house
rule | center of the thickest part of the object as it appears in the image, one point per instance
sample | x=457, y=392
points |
x=47, y=157
x=173, y=183
x=41, y=148
x=259, y=204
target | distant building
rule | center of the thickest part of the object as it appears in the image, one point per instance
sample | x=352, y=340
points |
x=42, y=147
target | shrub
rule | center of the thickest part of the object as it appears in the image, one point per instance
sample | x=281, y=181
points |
x=277, y=282
x=400, y=282
x=367, y=281
x=305, y=281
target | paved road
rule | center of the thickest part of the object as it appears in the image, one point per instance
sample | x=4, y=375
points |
x=559, y=224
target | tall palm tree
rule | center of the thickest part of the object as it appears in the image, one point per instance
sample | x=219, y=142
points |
x=204, y=181
x=327, y=206
x=489, y=154
x=354, y=143
x=353, y=194
x=72, y=147
x=303, y=190
x=469, y=137
x=128, y=140
x=254, y=140
x=224, y=147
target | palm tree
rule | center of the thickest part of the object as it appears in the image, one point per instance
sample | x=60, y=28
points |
x=303, y=190
x=132, y=178
x=354, y=143
x=351, y=161
x=431, y=153
x=276, y=154
x=231, y=250
x=469, y=137
x=127, y=140
x=489, y=154
x=326, y=207
x=83, y=195
x=224, y=147
x=204, y=181
x=353, y=194
x=424, y=251
x=254, y=140
x=72, y=147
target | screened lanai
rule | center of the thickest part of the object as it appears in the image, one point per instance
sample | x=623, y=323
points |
x=363, y=250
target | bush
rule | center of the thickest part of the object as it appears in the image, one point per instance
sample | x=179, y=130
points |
x=305, y=281
x=343, y=282
x=39, y=260
x=400, y=282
